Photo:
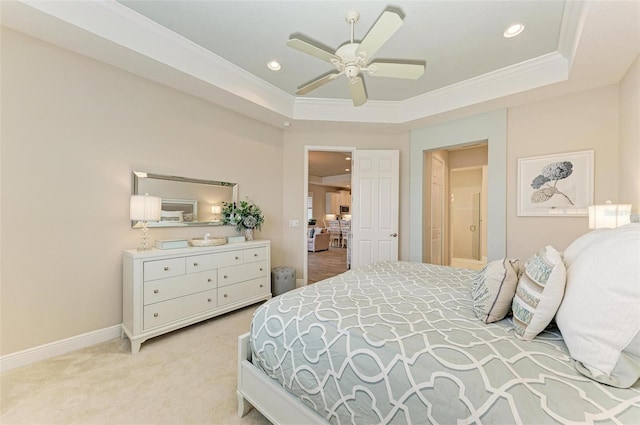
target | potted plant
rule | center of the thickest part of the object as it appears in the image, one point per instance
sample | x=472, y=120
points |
x=244, y=215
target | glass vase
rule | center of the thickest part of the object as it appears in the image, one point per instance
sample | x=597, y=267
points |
x=248, y=234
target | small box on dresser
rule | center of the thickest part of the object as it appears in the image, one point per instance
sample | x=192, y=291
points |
x=164, y=290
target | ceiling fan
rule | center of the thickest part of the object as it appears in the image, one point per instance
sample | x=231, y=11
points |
x=353, y=59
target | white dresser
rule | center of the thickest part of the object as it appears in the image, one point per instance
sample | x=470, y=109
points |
x=164, y=290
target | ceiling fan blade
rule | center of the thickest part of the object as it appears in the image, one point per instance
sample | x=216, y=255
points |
x=358, y=94
x=312, y=50
x=396, y=70
x=382, y=30
x=317, y=83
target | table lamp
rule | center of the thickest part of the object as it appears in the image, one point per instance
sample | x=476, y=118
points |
x=216, y=210
x=609, y=215
x=145, y=208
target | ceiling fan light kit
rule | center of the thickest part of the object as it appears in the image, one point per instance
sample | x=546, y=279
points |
x=352, y=59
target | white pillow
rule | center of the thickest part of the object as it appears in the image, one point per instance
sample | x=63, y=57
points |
x=579, y=245
x=539, y=293
x=600, y=315
x=171, y=215
x=493, y=290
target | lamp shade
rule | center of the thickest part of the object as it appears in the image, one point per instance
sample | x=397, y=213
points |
x=609, y=215
x=145, y=208
x=216, y=209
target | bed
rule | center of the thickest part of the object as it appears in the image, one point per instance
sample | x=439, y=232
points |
x=413, y=343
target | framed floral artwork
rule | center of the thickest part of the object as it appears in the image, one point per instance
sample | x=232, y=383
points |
x=557, y=184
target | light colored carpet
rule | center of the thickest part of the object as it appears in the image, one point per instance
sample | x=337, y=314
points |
x=186, y=377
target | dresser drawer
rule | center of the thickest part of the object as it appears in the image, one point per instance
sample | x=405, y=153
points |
x=164, y=289
x=240, y=291
x=160, y=269
x=235, y=274
x=252, y=255
x=198, y=263
x=178, y=308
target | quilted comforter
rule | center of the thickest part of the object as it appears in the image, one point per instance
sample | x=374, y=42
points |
x=398, y=343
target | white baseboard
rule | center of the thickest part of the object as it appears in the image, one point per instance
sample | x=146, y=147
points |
x=56, y=348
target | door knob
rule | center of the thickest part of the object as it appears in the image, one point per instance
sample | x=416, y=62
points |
x=394, y=235
x=472, y=228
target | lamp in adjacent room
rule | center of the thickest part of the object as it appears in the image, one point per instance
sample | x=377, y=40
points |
x=608, y=215
x=145, y=208
x=216, y=210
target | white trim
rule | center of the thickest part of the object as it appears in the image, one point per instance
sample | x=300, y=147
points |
x=57, y=348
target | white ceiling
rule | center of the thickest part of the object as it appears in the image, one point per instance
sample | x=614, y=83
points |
x=446, y=34
x=218, y=50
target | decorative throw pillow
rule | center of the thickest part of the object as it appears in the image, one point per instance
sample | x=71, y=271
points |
x=539, y=293
x=493, y=290
x=600, y=315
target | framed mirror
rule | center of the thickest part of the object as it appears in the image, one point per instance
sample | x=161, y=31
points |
x=185, y=201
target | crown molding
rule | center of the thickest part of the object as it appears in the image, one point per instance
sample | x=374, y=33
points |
x=573, y=20
x=230, y=86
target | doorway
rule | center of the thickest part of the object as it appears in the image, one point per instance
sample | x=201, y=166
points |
x=456, y=197
x=328, y=207
x=467, y=214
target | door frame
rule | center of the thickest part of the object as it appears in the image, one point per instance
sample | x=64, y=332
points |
x=305, y=227
x=490, y=127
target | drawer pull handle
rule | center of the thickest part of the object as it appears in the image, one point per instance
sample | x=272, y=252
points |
x=261, y=285
x=195, y=264
x=237, y=258
x=155, y=314
x=225, y=276
x=225, y=295
x=261, y=269
x=155, y=291
x=208, y=300
x=209, y=280
x=255, y=255
x=166, y=269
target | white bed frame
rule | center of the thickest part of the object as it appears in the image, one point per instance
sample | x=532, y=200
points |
x=255, y=389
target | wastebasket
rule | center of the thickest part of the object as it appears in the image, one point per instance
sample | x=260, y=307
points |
x=283, y=279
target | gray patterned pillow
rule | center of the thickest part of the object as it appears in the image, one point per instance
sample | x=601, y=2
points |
x=494, y=288
x=539, y=293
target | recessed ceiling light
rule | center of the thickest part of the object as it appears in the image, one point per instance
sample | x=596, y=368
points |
x=513, y=30
x=274, y=66
x=346, y=169
x=348, y=158
x=286, y=124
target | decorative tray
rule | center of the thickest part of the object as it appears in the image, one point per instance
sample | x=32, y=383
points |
x=208, y=242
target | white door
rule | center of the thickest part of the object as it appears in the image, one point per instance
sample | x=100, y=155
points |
x=375, y=189
x=437, y=209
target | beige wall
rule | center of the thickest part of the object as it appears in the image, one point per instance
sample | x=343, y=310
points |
x=630, y=137
x=586, y=120
x=73, y=130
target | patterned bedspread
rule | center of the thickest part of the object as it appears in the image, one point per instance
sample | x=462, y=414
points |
x=398, y=343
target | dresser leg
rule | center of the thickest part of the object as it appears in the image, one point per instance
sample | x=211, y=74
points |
x=135, y=346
